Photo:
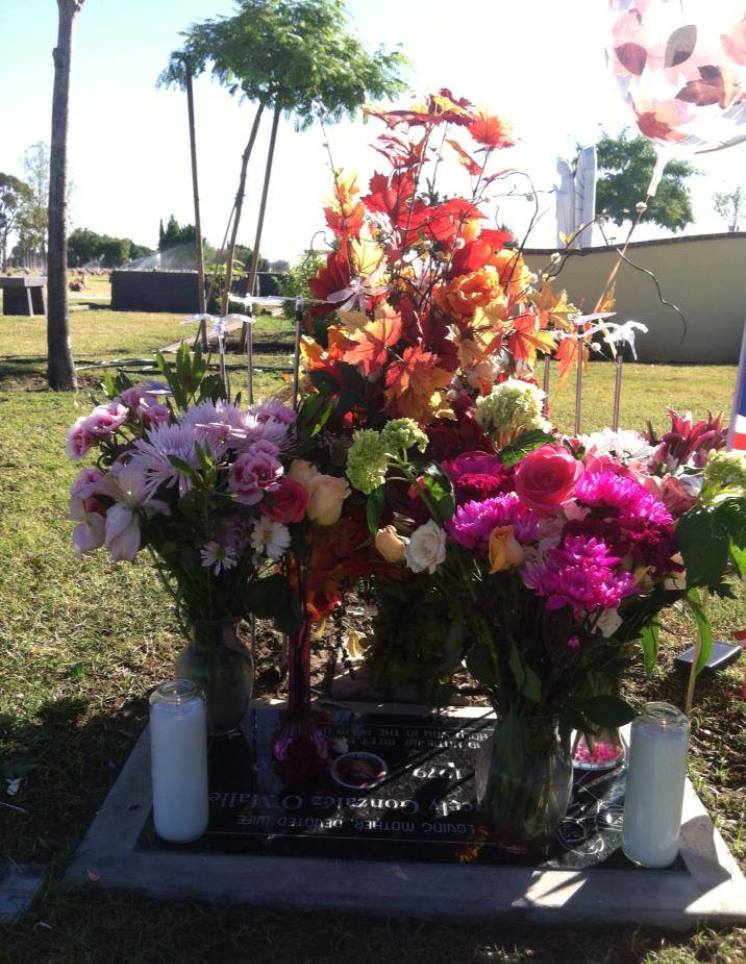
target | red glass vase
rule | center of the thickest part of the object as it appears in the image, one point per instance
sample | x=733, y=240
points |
x=300, y=747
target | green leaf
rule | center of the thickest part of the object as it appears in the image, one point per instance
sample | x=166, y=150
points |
x=649, y=641
x=374, y=507
x=605, y=710
x=440, y=491
x=482, y=665
x=526, y=679
x=731, y=514
x=704, y=629
x=525, y=443
x=181, y=465
x=704, y=543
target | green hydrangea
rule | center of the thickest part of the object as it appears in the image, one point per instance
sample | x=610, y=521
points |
x=726, y=472
x=401, y=434
x=512, y=407
x=367, y=460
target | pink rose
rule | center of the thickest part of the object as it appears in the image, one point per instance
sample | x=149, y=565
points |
x=289, y=503
x=546, y=478
x=254, y=474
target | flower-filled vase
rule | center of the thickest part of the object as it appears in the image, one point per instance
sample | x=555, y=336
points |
x=524, y=782
x=219, y=662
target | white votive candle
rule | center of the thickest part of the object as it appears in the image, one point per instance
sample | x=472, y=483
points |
x=655, y=785
x=178, y=761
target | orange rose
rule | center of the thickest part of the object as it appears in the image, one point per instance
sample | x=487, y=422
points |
x=504, y=551
x=326, y=495
x=390, y=544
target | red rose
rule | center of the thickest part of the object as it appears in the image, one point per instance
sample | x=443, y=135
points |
x=546, y=478
x=289, y=503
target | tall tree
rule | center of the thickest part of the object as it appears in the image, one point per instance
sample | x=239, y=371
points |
x=60, y=365
x=626, y=166
x=15, y=195
x=728, y=204
x=35, y=220
x=296, y=57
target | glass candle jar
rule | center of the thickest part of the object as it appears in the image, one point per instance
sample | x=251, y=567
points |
x=655, y=785
x=178, y=761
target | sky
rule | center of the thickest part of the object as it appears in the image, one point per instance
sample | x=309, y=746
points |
x=539, y=63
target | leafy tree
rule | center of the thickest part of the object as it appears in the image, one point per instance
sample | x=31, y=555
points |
x=60, y=367
x=296, y=57
x=34, y=217
x=174, y=235
x=15, y=195
x=626, y=165
x=729, y=204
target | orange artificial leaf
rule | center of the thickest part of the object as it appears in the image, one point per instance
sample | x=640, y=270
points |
x=553, y=308
x=527, y=338
x=368, y=348
x=414, y=383
x=490, y=131
x=568, y=354
x=465, y=158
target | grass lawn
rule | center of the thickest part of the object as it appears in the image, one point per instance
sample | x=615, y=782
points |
x=83, y=641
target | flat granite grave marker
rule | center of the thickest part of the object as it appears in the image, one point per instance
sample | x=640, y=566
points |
x=410, y=842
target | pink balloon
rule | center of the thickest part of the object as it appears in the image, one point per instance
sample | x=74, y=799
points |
x=681, y=66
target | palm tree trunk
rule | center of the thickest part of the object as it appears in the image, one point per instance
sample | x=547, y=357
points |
x=60, y=365
x=197, y=218
x=238, y=206
x=262, y=211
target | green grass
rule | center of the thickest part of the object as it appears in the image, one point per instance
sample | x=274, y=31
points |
x=83, y=641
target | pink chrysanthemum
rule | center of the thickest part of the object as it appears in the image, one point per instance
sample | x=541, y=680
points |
x=628, y=518
x=581, y=573
x=473, y=522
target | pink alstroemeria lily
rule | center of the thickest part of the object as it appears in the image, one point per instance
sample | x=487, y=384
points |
x=132, y=494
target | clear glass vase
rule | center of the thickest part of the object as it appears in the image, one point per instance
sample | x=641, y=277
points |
x=524, y=782
x=219, y=662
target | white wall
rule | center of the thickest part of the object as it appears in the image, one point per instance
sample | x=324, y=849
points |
x=704, y=275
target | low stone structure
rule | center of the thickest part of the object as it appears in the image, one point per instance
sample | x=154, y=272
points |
x=175, y=291
x=263, y=850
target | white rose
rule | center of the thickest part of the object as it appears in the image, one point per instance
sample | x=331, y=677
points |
x=426, y=549
x=608, y=622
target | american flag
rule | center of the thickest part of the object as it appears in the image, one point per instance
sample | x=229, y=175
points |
x=737, y=432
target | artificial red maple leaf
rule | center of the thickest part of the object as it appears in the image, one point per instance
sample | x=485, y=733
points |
x=389, y=195
x=490, y=131
x=475, y=254
x=734, y=43
x=368, y=348
x=438, y=222
x=414, y=383
x=334, y=277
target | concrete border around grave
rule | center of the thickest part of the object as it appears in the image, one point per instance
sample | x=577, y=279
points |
x=713, y=889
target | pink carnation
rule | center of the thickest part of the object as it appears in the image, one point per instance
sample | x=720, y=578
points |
x=478, y=476
x=253, y=474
